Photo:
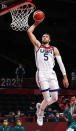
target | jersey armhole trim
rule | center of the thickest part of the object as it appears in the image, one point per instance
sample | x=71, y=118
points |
x=53, y=51
x=38, y=49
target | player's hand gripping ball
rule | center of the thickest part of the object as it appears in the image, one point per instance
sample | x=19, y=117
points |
x=38, y=16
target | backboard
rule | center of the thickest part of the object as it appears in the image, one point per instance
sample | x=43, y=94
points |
x=8, y=5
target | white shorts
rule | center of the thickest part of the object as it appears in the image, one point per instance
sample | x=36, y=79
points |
x=47, y=80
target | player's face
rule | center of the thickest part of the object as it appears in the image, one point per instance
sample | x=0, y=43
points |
x=45, y=39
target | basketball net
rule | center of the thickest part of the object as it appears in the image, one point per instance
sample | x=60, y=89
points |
x=20, y=17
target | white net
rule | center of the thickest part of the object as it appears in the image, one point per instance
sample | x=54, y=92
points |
x=20, y=17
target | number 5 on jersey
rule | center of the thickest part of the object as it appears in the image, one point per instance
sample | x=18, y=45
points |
x=45, y=56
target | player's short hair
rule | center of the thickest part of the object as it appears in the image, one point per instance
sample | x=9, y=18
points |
x=48, y=35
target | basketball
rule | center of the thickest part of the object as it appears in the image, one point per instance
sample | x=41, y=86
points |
x=38, y=15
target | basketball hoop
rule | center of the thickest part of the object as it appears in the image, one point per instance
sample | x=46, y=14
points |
x=20, y=16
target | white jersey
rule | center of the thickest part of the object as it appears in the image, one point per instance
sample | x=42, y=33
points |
x=45, y=58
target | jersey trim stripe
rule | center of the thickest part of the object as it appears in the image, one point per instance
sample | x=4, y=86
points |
x=50, y=47
x=55, y=90
x=45, y=90
x=50, y=90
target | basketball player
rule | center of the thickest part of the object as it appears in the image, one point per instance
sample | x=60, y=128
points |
x=45, y=75
x=71, y=114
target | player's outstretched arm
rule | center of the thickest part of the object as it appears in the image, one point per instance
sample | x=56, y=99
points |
x=31, y=36
x=62, y=68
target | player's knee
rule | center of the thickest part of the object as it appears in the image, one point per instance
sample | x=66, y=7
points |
x=50, y=100
x=55, y=98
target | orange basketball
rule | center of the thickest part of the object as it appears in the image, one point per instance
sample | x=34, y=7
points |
x=38, y=15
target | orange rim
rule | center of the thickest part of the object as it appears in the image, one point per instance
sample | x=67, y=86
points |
x=28, y=3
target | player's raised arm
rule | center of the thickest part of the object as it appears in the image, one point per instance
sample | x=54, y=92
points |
x=31, y=36
x=62, y=68
x=38, y=17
